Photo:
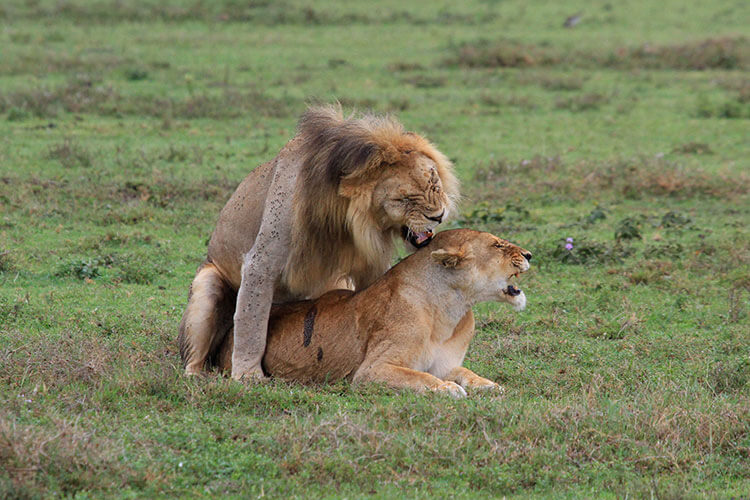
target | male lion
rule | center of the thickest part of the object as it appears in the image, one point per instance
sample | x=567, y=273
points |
x=321, y=215
x=409, y=329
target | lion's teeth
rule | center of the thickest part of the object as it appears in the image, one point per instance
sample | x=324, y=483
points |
x=423, y=236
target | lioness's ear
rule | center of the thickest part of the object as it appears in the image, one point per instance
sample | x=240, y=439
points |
x=451, y=257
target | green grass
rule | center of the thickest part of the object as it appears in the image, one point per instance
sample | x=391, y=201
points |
x=124, y=127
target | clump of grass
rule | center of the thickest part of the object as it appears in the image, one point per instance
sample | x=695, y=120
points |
x=229, y=104
x=549, y=177
x=499, y=101
x=65, y=451
x=585, y=251
x=80, y=95
x=555, y=83
x=401, y=66
x=598, y=214
x=668, y=250
x=70, y=154
x=6, y=264
x=87, y=268
x=726, y=53
x=11, y=309
x=565, y=83
x=398, y=104
x=18, y=114
x=651, y=271
x=712, y=53
x=727, y=107
x=628, y=228
x=499, y=171
x=502, y=54
x=80, y=268
x=361, y=103
x=674, y=219
x=482, y=213
x=423, y=81
x=693, y=148
x=729, y=376
x=85, y=95
x=139, y=273
x=584, y=102
x=136, y=74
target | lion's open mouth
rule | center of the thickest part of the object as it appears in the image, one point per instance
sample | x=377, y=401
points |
x=418, y=239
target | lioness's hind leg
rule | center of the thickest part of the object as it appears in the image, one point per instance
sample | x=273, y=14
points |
x=207, y=318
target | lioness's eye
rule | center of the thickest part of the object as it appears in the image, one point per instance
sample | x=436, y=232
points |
x=497, y=245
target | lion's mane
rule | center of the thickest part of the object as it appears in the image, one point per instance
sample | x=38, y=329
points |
x=331, y=233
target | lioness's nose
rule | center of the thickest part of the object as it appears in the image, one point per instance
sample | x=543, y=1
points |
x=438, y=218
x=527, y=255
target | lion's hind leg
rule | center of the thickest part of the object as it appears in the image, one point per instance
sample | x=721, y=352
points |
x=207, y=318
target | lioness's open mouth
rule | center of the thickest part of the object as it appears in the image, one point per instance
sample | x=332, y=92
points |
x=418, y=239
x=512, y=290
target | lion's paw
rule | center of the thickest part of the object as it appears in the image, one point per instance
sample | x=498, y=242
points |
x=452, y=389
x=249, y=376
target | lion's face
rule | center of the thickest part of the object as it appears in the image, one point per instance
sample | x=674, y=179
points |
x=484, y=266
x=410, y=199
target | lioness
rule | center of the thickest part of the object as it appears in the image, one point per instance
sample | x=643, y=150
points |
x=408, y=329
x=322, y=215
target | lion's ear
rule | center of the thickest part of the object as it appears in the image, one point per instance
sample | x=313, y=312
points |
x=451, y=257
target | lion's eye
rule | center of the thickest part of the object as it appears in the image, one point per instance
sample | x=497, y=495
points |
x=497, y=245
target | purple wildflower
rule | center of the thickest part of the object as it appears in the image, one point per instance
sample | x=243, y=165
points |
x=569, y=240
x=568, y=246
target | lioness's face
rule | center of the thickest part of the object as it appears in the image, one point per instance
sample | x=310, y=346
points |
x=411, y=199
x=500, y=261
x=484, y=266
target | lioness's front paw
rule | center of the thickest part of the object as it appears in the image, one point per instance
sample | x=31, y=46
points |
x=484, y=384
x=489, y=385
x=452, y=389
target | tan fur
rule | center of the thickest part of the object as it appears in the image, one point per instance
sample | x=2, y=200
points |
x=323, y=213
x=410, y=329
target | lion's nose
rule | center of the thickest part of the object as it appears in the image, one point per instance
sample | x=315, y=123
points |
x=527, y=255
x=438, y=218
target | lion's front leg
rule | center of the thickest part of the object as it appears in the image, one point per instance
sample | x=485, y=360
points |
x=261, y=270
x=254, y=301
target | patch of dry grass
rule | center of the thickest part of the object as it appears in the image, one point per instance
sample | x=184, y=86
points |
x=728, y=53
x=70, y=154
x=584, y=102
x=87, y=95
x=61, y=457
x=632, y=179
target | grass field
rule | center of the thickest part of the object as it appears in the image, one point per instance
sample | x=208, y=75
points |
x=125, y=126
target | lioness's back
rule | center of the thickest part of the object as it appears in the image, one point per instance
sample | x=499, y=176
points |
x=309, y=340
